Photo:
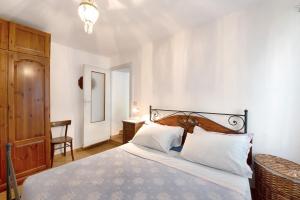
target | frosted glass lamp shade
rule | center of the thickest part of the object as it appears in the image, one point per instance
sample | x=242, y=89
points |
x=88, y=13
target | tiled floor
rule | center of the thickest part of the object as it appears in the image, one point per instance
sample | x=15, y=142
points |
x=80, y=153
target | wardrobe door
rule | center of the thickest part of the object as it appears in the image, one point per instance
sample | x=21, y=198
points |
x=27, y=40
x=3, y=114
x=3, y=34
x=29, y=126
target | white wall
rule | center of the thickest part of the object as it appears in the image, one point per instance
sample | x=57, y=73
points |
x=66, y=97
x=249, y=59
x=119, y=100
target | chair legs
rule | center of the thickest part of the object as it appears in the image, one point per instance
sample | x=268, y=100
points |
x=52, y=154
x=65, y=146
x=53, y=148
x=71, y=145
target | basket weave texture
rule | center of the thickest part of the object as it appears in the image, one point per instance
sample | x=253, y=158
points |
x=276, y=178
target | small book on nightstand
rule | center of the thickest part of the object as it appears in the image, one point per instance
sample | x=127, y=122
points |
x=130, y=127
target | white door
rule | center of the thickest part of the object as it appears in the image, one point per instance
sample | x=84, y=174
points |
x=96, y=89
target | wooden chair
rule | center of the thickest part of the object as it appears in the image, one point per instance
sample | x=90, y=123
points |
x=65, y=140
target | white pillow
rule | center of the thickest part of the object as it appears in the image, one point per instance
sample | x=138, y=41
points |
x=225, y=152
x=158, y=137
x=177, y=142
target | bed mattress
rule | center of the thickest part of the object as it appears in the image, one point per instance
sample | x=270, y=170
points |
x=132, y=172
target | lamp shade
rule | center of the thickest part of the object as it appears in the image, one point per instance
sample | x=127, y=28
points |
x=88, y=13
x=135, y=109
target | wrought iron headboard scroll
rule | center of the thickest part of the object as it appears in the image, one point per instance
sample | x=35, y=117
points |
x=238, y=123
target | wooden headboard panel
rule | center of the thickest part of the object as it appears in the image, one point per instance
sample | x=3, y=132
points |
x=235, y=123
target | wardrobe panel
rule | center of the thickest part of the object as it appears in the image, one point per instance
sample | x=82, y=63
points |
x=3, y=34
x=29, y=127
x=29, y=99
x=3, y=112
x=29, y=157
x=27, y=40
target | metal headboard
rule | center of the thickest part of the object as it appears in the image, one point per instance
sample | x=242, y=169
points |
x=237, y=122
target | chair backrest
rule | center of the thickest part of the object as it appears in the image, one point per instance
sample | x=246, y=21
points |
x=11, y=181
x=65, y=123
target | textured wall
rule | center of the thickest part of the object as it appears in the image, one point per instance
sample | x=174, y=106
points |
x=66, y=97
x=249, y=59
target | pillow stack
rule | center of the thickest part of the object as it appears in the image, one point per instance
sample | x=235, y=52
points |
x=227, y=152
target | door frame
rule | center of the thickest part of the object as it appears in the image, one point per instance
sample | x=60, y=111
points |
x=127, y=65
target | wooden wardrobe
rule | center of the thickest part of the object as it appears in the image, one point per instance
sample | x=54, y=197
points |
x=24, y=99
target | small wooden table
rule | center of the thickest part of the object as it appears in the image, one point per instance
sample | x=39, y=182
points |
x=130, y=127
x=276, y=178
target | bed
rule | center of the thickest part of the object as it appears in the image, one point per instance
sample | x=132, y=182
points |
x=136, y=172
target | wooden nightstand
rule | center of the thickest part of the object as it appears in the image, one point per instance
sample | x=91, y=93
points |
x=130, y=127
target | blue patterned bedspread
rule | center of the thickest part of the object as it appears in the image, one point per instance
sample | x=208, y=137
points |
x=119, y=175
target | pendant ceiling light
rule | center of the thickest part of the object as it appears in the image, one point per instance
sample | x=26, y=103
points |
x=88, y=13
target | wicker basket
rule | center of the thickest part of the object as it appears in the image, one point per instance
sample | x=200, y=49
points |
x=276, y=178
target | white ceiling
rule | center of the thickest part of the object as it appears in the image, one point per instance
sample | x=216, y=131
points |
x=123, y=24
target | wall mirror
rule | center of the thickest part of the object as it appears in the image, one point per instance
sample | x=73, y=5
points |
x=97, y=97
